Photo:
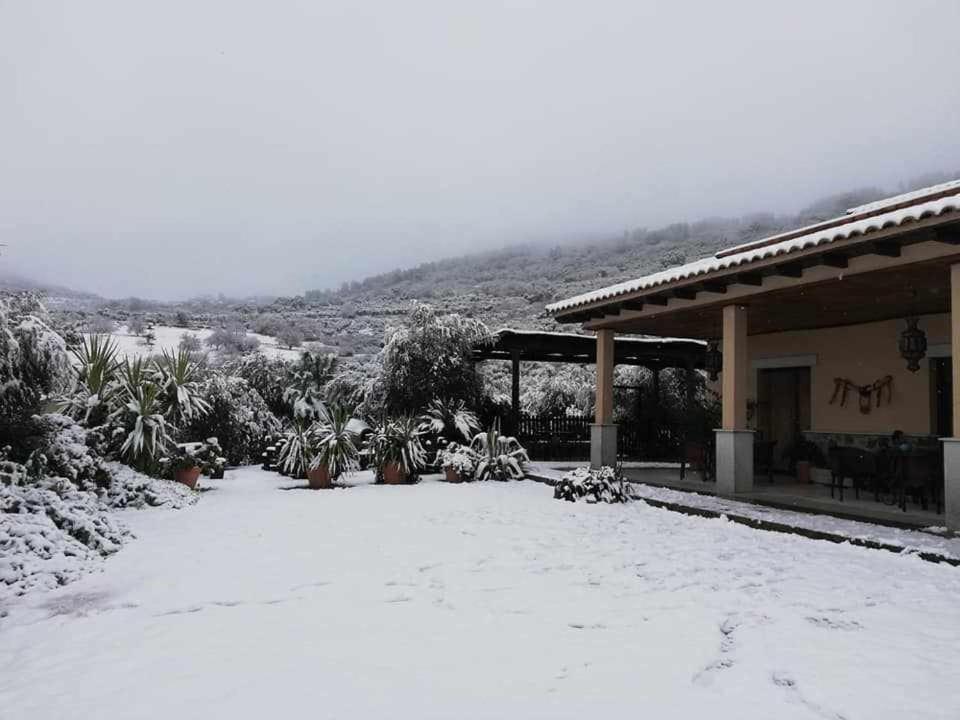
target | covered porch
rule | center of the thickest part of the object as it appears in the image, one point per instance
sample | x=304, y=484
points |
x=825, y=341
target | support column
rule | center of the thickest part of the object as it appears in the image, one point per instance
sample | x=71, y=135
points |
x=734, y=440
x=603, y=433
x=515, y=392
x=951, y=446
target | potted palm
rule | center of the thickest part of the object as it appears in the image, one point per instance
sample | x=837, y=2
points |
x=397, y=450
x=334, y=451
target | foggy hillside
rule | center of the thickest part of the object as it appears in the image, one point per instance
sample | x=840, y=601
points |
x=513, y=285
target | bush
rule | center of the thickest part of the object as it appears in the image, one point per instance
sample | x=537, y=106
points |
x=604, y=485
x=431, y=357
x=499, y=457
x=239, y=418
x=33, y=361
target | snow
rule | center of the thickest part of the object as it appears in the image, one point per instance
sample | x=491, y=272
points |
x=168, y=338
x=483, y=600
x=912, y=541
x=761, y=250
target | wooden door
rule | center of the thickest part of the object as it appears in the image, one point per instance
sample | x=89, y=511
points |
x=783, y=409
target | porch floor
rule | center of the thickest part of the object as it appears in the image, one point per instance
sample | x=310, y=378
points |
x=785, y=493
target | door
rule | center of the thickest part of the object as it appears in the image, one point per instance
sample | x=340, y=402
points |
x=783, y=409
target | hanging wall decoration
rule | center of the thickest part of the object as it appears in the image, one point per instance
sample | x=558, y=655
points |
x=913, y=344
x=868, y=394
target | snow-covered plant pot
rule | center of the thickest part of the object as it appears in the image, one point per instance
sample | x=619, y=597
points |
x=459, y=462
x=604, y=485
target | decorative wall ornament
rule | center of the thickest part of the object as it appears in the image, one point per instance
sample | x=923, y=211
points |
x=867, y=393
x=913, y=344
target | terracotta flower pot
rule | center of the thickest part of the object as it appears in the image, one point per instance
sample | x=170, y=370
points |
x=803, y=471
x=319, y=477
x=188, y=477
x=452, y=475
x=394, y=474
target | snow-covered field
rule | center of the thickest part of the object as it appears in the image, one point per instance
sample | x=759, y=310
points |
x=484, y=600
x=168, y=338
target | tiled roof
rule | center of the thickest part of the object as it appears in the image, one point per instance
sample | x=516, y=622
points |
x=863, y=220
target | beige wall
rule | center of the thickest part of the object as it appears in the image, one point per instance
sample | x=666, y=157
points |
x=863, y=354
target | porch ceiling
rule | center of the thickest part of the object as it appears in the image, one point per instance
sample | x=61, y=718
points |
x=921, y=288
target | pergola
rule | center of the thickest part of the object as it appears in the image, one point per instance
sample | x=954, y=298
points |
x=654, y=353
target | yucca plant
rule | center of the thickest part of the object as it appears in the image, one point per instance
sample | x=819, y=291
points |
x=335, y=444
x=177, y=377
x=96, y=387
x=148, y=437
x=501, y=457
x=451, y=420
x=397, y=450
x=296, y=455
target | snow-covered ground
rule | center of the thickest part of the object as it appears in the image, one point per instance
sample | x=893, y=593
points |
x=168, y=338
x=917, y=541
x=484, y=600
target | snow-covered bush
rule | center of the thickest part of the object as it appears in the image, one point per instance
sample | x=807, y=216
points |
x=33, y=359
x=461, y=459
x=206, y=455
x=239, y=418
x=430, y=357
x=48, y=531
x=268, y=376
x=603, y=485
x=63, y=448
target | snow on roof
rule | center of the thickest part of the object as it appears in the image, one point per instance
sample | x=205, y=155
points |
x=627, y=338
x=821, y=234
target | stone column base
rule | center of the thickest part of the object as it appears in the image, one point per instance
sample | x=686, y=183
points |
x=951, y=482
x=603, y=446
x=734, y=461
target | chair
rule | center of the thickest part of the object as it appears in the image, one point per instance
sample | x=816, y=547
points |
x=699, y=456
x=851, y=462
x=917, y=473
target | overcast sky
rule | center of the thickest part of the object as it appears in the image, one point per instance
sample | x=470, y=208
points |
x=172, y=148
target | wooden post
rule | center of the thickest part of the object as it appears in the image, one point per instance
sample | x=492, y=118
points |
x=604, y=406
x=735, y=368
x=955, y=343
x=515, y=391
x=603, y=433
x=734, y=440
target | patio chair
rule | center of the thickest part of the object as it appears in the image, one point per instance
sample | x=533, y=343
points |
x=699, y=456
x=917, y=473
x=851, y=462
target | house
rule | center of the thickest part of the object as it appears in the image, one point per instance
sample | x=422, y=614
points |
x=839, y=333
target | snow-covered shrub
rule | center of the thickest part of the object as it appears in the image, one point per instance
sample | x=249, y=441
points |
x=268, y=376
x=63, y=448
x=129, y=488
x=305, y=394
x=429, y=357
x=461, y=458
x=500, y=457
x=398, y=442
x=603, y=485
x=33, y=358
x=451, y=420
x=49, y=530
x=238, y=418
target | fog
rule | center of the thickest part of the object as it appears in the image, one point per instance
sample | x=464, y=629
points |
x=174, y=148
